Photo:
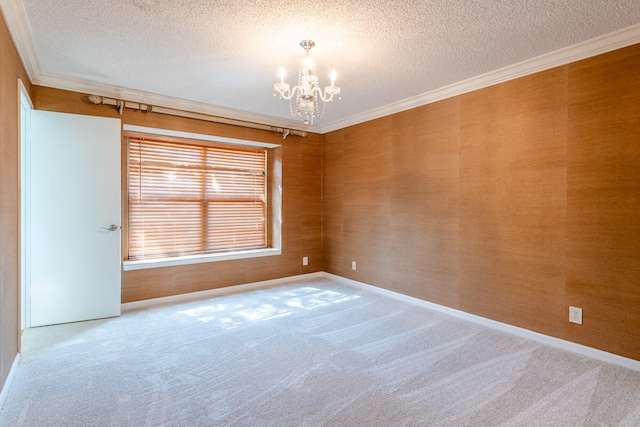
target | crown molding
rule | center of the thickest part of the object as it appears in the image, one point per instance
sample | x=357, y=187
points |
x=15, y=16
x=91, y=88
x=599, y=45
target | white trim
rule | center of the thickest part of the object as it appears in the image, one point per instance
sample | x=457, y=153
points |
x=26, y=106
x=211, y=293
x=22, y=89
x=15, y=15
x=198, y=259
x=9, y=381
x=132, y=95
x=514, y=330
x=599, y=45
x=198, y=136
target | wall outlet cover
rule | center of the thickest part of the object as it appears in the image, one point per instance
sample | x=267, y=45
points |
x=575, y=315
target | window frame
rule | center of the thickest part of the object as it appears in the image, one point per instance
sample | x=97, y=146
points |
x=273, y=190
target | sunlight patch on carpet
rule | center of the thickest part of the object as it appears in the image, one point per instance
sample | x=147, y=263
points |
x=279, y=303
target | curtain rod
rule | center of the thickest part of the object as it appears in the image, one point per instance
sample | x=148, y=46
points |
x=121, y=105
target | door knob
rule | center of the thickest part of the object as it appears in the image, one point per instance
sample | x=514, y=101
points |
x=112, y=227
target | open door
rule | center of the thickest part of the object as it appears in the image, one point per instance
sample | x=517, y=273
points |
x=74, y=218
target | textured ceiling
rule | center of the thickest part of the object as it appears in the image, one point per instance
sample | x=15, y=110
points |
x=227, y=52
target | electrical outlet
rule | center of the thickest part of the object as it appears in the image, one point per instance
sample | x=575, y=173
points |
x=575, y=315
x=305, y=260
x=353, y=265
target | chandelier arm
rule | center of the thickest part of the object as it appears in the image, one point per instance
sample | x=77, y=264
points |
x=326, y=95
x=292, y=93
x=288, y=94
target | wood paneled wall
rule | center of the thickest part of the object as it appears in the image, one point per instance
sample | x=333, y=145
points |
x=512, y=202
x=302, y=204
x=603, y=200
x=11, y=70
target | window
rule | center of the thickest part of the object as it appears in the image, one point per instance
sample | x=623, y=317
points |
x=188, y=197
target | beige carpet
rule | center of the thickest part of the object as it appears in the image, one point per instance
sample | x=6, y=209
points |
x=312, y=353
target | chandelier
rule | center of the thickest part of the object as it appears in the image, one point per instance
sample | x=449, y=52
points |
x=307, y=93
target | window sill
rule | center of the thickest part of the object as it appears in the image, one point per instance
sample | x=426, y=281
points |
x=197, y=259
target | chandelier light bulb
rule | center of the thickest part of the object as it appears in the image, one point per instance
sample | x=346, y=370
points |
x=281, y=73
x=309, y=64
x=333, y=77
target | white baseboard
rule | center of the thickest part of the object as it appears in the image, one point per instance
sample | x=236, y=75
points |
x=504, y=327
x=217, y=292
x=7, y=383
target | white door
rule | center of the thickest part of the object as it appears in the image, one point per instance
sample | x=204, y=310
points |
x=75, y=188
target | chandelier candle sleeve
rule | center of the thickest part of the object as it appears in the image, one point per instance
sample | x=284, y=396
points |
x=307, y=93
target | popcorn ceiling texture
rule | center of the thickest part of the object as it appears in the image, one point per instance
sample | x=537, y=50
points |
x=227, y=52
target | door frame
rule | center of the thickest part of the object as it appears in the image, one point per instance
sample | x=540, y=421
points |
x=24, y=119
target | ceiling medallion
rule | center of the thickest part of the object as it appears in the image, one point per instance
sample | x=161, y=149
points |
x=307, y=93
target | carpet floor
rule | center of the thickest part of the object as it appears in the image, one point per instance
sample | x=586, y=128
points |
x=311, y=353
